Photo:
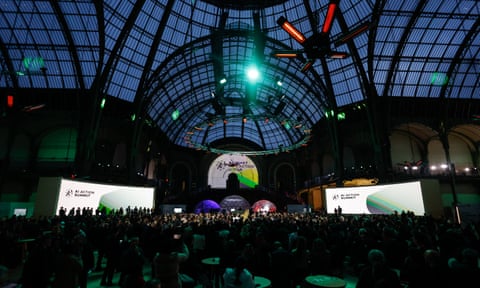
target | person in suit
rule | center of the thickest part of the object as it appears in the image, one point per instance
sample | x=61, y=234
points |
x=280, y=261
x=377, y=274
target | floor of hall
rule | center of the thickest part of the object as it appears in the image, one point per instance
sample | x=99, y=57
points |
x=95, y=277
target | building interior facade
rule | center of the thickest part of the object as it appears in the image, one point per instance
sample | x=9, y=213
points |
x=162, y=93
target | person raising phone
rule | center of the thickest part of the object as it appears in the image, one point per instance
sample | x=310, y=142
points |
x=172, y=251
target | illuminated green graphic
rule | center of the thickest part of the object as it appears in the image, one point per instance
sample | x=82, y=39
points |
x=246, y=181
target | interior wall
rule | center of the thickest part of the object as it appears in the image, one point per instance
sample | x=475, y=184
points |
x=432, y=199
x=406, y=148
x=47, y=196
x=460, y=154
x=403, y=149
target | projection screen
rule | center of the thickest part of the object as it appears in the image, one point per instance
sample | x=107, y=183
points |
x=74, y=194
x=376, y=199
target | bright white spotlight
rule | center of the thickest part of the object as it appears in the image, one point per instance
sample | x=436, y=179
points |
x=252, y=73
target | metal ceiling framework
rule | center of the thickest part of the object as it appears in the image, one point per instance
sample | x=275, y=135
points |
x=164, y=56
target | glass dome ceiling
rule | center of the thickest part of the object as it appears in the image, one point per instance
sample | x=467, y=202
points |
x=167, y=58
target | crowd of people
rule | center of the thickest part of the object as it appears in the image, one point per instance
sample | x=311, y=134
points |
x=381, y=250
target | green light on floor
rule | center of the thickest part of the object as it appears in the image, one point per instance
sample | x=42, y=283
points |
x=175, y=114
x=102, y=104
x=341, y=116
x=133, y=117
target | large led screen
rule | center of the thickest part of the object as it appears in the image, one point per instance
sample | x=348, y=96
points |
x=74, y=194
x=225, y=165
x=376, y=199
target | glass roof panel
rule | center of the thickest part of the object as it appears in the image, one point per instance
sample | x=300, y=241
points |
x=413, y=49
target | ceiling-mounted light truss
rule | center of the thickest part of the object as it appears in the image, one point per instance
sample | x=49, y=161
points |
x=286, y=123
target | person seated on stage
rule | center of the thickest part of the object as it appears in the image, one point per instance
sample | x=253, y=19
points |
x=166, y=262
x=238, y=276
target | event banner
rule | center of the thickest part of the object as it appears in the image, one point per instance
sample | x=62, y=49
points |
x=376, y=199
x=79, y=194
x=240, y=165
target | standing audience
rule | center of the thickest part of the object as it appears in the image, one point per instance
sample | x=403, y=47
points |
x=301, y=259
x=132, y=262
x=423, y=250
x=40, y=263
x=320, y=258
x=112, y=250
x=465, y=271
x=69, y=268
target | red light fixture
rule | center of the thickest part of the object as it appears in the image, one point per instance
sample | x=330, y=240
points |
x=353, y=34
x=291, y=30
x=338, y=55
x=10, y=101
x=332, y=7
x=307, y=66
x=285, y=54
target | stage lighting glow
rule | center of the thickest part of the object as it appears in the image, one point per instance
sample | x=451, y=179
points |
x=175, y=114
x=252, y=73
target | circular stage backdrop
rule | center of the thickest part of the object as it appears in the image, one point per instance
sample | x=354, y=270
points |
x=234, y=202
x=264, y=206
x=207, y=206
x=241, y=165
